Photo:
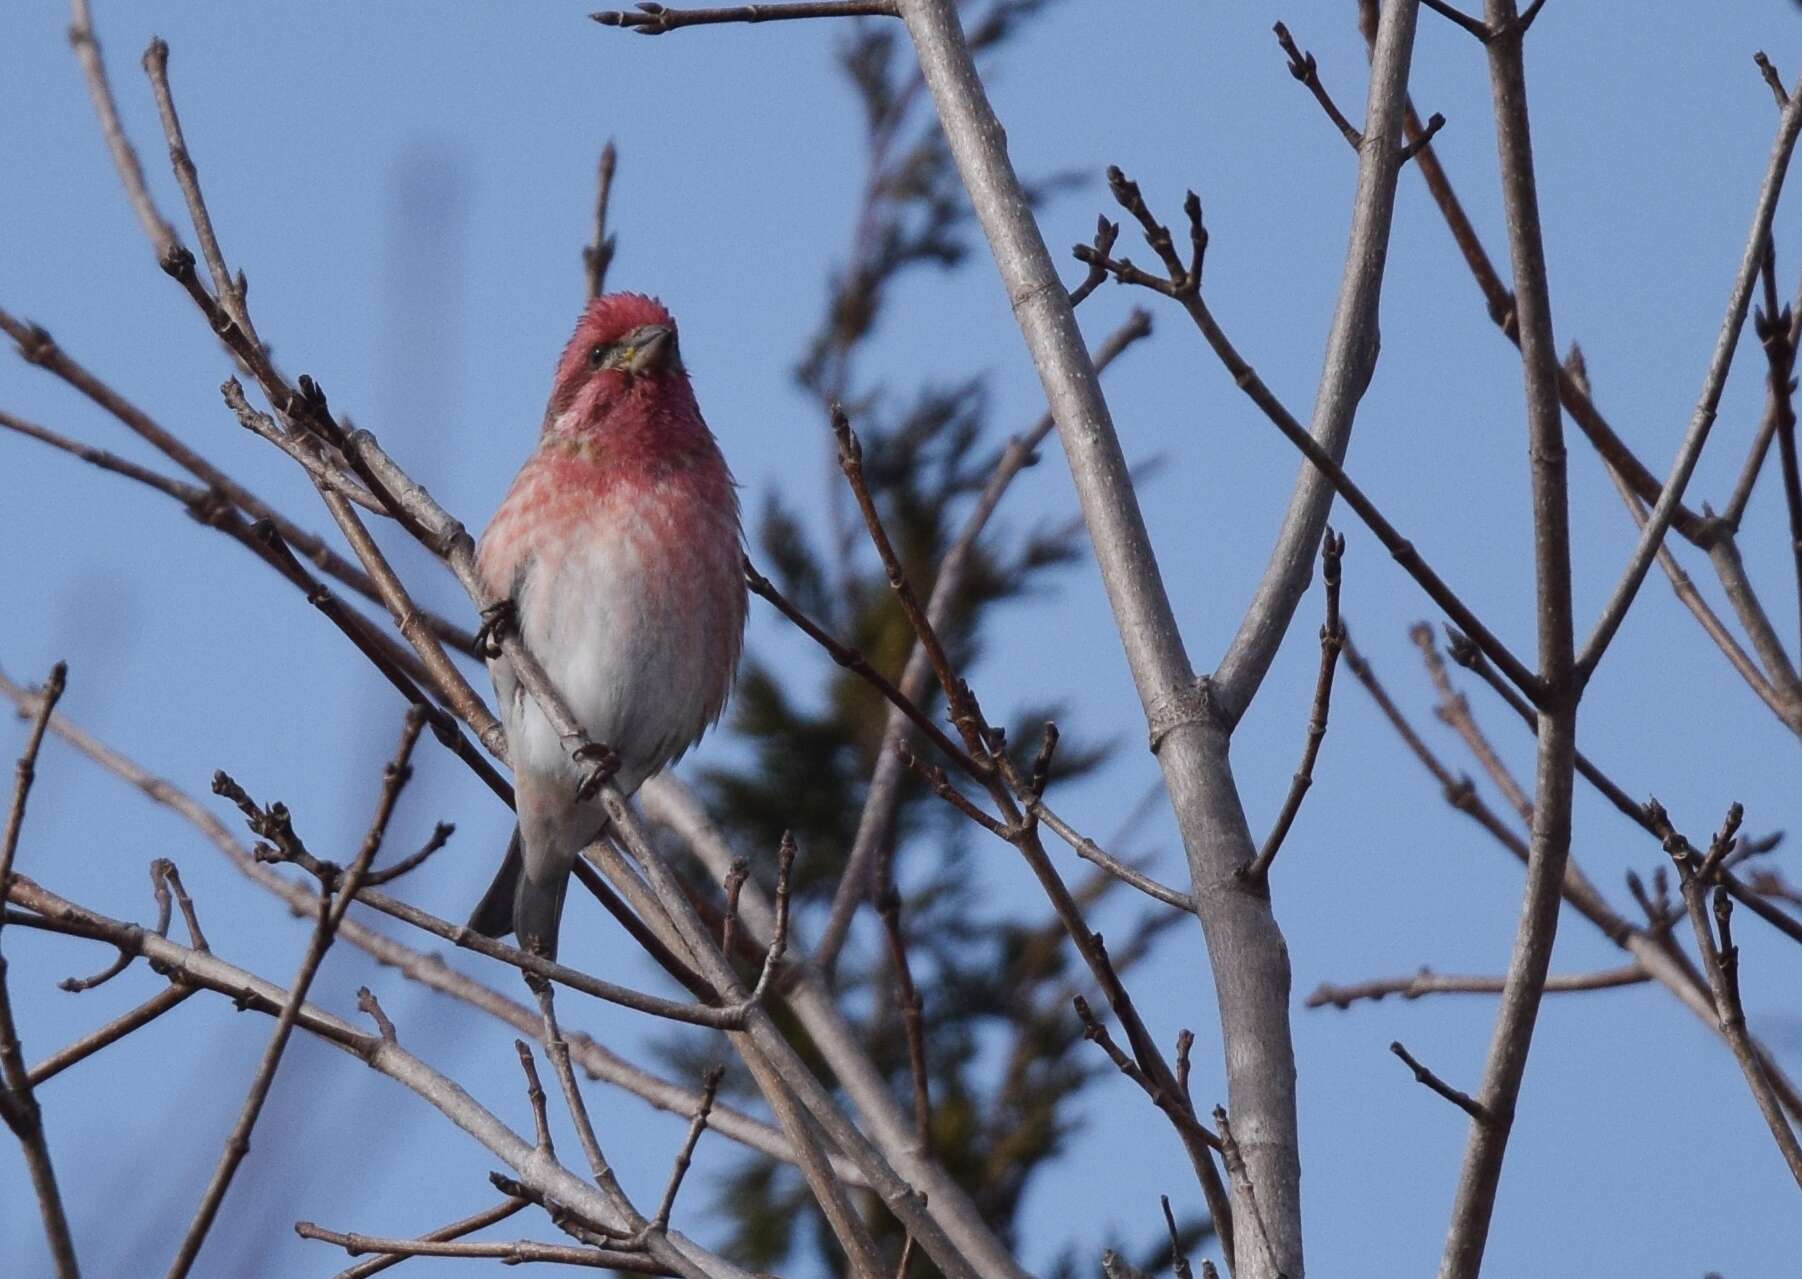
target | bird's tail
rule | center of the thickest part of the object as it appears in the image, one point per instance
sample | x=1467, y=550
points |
x=519, y=904
x=493, y=915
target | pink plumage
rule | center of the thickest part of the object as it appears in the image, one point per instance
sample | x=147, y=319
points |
x=619, y=546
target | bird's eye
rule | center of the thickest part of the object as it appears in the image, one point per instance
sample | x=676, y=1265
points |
x=597, y=356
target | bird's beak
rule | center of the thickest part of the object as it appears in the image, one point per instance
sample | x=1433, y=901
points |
x=650, y=349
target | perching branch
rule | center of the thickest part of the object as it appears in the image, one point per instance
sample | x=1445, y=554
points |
x=427, y=969
x=382, y=1052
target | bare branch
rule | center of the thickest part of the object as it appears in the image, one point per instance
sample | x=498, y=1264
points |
x=18, y=1098
x=852, y=660
x=1453, y=710
x=125, y=159
x=710, y=1086
x=428, y=969
x=1772, y=79
x=597, y=257
x=1332, y=640
x=1426, y=982
x=1175, y=1105
x=873, y=825
x=651, y=19
x=1304, y=69
x=1090, y=851
x=1721, y=963
x=230, y=292
x=111, y=1033
x=1681, y=585
x=1458, y=17
x=514, y=1253
x=382, y=1052
x=1690, y=451
x=334, y=900
x=1464, y=1101
x=39, y=348
x=444, y=1234
x=1187, y=730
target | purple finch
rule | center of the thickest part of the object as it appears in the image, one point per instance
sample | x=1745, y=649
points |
x=619, y=548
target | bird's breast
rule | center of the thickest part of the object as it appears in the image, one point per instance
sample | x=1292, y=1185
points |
x=633, y=600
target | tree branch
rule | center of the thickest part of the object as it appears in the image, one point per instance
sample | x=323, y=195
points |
x=1188, y=733
x=1426, y=982
x=1690, y=451
x=651, y=19
x=1332, y=640
x=334, y=900
x=18, y=1098
x=1721, y=964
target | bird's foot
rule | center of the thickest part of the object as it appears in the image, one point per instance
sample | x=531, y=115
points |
x=499, y=619
x=603, y=764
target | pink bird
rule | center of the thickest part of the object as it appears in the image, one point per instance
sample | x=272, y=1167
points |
x=619, y=548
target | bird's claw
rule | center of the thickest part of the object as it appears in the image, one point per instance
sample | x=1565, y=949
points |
x=603, y=765
x=498, y=620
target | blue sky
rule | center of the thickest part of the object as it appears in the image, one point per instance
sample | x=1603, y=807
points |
x=408, y=188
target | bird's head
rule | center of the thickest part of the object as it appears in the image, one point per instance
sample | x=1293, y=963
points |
x=622, y=366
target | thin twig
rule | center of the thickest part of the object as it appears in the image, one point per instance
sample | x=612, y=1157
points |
x=884, y=793
x=1453, y=710
x=514, y=1253
x=125, y=158
x=651, y=19
x=710, y=1086
x=20, y=1107
x=1332, y=640
x=1303, y=67
x=541, y=1120
x=1182, y=283
x=426, y=968
x=1458, y=17
x=165, y=905
x=1174, y=1104
x=38, y=347
x=965, y=715
x=1721, y=964
x=444, y=1234
x=229, y=291
x=597, y=257
x=854, y=661
x=1681, y=585
x=907, y=995
x=382, y=1052
x=1426, y=982
x=1772, y=79
x=439, y=837
x=1090, y=851
x=1179, y=1264
x=1463, y=1100
x=145, y=1013
x=1690, y=450
x=1773, y=329
x=332, y=905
